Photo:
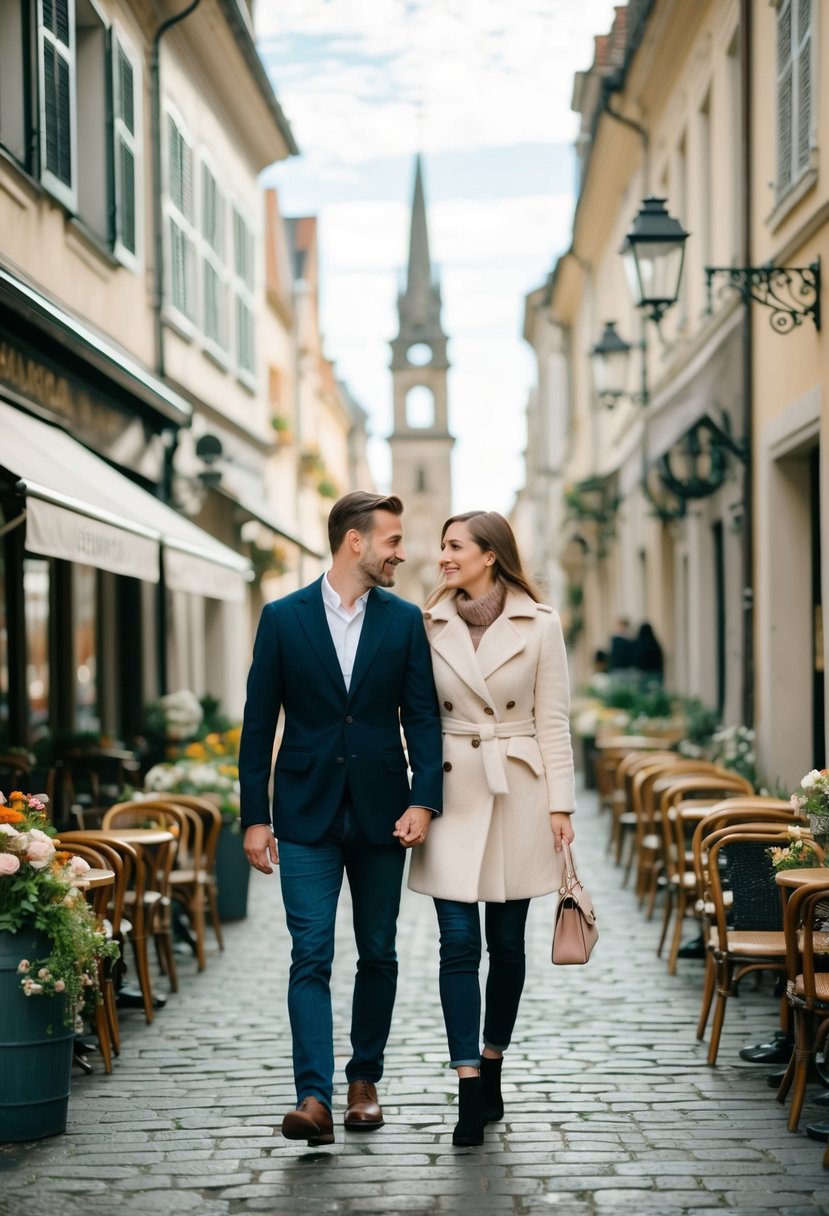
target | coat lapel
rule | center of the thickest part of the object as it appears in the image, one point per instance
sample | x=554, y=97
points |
x=378, y=619
x=311, y=614
x=453, y=643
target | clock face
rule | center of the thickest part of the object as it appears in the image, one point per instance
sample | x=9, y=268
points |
x=420, y=353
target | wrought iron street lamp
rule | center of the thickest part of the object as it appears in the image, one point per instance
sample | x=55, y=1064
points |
x=654, y=254
x=610, y=358
x=791, y=292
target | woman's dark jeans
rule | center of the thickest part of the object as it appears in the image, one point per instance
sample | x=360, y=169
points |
x=460, y=959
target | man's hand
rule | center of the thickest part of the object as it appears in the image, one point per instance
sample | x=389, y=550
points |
x=260, y=848
x=412, y=826
x=562, y=827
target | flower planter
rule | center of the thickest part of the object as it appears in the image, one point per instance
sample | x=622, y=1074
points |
x=35, y=1048
x=232, y=873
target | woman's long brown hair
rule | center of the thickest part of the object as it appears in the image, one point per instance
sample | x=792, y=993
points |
x=491, y=533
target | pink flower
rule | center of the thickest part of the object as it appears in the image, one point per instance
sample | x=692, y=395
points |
x=78, y=866
x=9, y=864
x=40, y=850
x=30, y=988
x=59, y=985
x=23, y=966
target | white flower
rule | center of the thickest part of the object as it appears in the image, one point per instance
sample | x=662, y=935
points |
x=6, y=829
x=810, y=779
x=794, y=832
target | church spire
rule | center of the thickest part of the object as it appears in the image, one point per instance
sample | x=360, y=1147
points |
x=419, y=280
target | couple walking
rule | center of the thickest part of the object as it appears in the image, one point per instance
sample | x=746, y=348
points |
x=481, y=694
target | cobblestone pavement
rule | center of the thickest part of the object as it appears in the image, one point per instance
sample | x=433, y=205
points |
x=611, y=1107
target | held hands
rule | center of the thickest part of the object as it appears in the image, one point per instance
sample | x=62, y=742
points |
x=412, y=826
x=562, y=827
x=260, y=848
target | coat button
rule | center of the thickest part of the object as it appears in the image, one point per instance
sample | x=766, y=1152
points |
x=476, y=742
x=487, y=710
x=510, y=705
x=447, y=767
x=447, y=705
x=340, y=759
x=349, y=719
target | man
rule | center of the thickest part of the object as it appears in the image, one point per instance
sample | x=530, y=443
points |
x=347, y=663
x=621, y=657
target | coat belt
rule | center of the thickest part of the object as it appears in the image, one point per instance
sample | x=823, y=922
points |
x=489, y=733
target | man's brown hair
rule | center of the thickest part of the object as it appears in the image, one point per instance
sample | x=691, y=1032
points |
x=356, y=510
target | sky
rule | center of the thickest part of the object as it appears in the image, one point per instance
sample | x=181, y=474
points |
x=482, y=89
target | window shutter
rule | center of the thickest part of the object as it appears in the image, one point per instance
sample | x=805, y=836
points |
x=243, y=254
x=804, y=84
x=213, y=271
x=56, y=43
x=126, y=150
x=182, y=237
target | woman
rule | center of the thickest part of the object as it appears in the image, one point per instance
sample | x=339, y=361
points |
x=647, y=653
x=501, y=675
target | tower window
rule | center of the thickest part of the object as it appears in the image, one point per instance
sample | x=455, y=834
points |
x=420, y=407
x=421, y=481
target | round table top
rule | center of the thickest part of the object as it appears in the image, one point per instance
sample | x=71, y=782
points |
x=137, y=835
x=95, y=878
x=802, y=877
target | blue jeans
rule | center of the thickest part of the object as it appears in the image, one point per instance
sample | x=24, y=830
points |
x=460, y=960
x=311, y=876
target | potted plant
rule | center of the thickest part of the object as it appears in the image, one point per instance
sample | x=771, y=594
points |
x=50, y=947
x=812, y=799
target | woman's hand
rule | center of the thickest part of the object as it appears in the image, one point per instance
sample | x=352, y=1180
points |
x=562, y=826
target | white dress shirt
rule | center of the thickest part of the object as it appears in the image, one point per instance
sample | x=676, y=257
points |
x=345, y=626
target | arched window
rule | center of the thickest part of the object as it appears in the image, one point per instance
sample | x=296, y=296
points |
x=420, y=407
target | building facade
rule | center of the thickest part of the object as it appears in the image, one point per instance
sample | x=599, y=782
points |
x=691, y=498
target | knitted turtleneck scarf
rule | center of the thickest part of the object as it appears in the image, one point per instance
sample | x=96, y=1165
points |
x=479, y=614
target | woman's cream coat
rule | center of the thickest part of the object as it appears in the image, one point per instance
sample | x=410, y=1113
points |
x=508, y=760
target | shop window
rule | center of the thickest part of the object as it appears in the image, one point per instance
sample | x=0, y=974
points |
x=85, y=648
x=214, y=272
x=36, y=595
x=180, y=205
x=126, y=138
x=795, y=92
x=243, y=287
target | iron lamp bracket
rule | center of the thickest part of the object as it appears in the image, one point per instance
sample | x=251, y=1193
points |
x=791, y=292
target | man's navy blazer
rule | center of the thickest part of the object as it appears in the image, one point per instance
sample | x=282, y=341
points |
x=331, y=734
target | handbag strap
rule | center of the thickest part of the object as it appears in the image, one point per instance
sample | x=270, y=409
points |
x=569, y=878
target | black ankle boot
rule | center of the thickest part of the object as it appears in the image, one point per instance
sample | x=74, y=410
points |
x=491, y=1077
x=471, y=1113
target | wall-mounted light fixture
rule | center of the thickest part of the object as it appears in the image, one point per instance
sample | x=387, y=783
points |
x=791, y=292
x=654, y=254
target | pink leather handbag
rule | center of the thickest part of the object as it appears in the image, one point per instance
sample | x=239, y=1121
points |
x=574, y=924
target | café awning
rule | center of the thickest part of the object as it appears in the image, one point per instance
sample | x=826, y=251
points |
x=79, y=509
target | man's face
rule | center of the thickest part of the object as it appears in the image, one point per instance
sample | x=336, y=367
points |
x=382, y=550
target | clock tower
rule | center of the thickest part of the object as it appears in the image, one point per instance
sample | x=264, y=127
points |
x=421, y=446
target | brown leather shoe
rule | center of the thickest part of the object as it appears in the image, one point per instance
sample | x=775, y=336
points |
x=310, y=1121
x=363, y=1112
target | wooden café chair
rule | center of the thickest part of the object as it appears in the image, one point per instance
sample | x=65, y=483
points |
x=193, y=880
x=609, y=751
x=807, y=988
x=158, y=859
x=746, y=933
x=623, y=816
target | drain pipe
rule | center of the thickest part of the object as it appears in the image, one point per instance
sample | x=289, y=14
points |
x=171, y=437
x=158, y=217
x=748, y=365
x=643, y=135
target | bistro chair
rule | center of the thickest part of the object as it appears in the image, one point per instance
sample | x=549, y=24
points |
x=108, y=903
x=746, y=933
x=91, y=779
x=807, y=989
x=193, y=881
x=158, y=861
x=623, y=817
x=680, y=824
x=610, y=750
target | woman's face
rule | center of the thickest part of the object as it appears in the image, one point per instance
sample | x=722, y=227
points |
x=464, y=565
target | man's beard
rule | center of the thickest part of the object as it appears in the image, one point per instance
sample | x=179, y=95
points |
x=376, y=572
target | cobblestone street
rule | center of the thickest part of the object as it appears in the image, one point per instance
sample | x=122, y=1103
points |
x=611, y=1107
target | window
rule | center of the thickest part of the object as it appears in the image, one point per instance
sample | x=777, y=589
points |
x=126, y=138
x=795, y=92
x=420, y=407
x=14, y=121
x=243, y=283
x=214, y=275
x=85, y=645
x=56, y=95
x=181, y=209
x=93, y=156
x=36, y=591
